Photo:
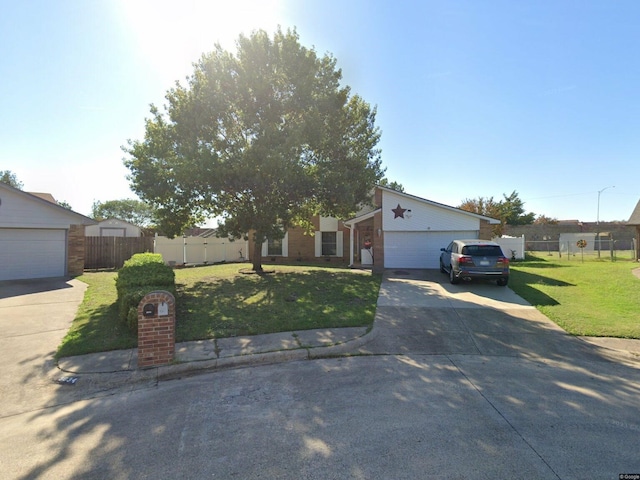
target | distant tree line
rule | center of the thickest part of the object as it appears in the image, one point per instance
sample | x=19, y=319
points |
x=510, y=211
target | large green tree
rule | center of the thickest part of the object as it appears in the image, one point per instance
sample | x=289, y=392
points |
x=129, y=210
x=513, y=210
x=262, y=138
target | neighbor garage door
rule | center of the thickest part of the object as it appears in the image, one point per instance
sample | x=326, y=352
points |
x=418, y=249
x=32, y=253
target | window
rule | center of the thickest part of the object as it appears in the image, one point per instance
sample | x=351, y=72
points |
x=274, y=247
x=329, y=243
x=482, y=250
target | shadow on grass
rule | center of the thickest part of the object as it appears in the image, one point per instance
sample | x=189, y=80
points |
x=526, y=285
x=282, y=301
x=97, y=330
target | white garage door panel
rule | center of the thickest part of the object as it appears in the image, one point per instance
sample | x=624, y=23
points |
x=418, y=249
x=30, y=253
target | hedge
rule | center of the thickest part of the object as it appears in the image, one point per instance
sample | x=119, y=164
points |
x=141, y=274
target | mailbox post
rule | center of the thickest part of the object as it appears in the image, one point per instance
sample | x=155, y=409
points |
x=156, y=329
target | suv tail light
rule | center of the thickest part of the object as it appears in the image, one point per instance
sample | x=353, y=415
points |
x=504, y=261
x=464, y=260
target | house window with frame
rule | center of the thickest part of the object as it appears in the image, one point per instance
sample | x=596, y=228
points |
x=274, y=247
x=329, y=243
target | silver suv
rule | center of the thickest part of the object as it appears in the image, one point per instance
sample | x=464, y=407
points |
x=467, y=259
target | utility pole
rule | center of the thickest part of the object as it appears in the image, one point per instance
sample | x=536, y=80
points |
x=598, y=218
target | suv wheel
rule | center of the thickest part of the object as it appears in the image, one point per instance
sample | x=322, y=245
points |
x=452, y=276
x=502, y=282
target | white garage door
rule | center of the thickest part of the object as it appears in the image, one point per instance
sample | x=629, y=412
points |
x=418, y=249
x=32, y=253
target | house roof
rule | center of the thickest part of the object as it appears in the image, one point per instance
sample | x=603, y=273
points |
x=77, y=217
x=45, y=196
x=634, y=219
x=119, y=220
x=492, y=221
x=352, y=221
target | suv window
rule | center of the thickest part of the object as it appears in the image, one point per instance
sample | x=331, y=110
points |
x=484, y=250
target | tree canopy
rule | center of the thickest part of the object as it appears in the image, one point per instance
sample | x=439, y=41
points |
x=10, y=178
x=132, y=211
x=510, y=210
x=263, y=139
x=385, y=182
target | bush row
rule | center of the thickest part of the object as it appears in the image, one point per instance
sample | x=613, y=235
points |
x=141, y=274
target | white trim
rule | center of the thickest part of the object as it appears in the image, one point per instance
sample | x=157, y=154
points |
x=339, y=243
x=351, y=222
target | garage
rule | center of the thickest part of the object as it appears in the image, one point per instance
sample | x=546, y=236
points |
x=406, y=231
x=38, y=237
x=32, y=253
x=418, y=249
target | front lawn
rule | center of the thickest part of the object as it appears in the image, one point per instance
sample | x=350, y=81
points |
x=219, y=301
x=593, y=298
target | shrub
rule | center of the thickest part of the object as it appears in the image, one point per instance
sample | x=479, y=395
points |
x=141, y=274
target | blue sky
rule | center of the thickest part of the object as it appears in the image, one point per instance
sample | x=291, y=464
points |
x=475, y=99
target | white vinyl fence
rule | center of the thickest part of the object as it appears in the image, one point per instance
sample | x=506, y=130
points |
x=200, y=250
x=511, y=246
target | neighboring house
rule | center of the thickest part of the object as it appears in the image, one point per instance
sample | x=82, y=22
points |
x=634, y=221
x=39, y=238
x=400, y=231
x=113, y=227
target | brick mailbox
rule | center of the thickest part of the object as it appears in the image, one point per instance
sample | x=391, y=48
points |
x=156, y=329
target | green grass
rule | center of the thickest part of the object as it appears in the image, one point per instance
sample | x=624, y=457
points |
x=219, y=301
x=596, y=297
x=96, y=327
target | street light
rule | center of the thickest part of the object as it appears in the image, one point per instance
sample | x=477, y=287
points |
x=598, y=217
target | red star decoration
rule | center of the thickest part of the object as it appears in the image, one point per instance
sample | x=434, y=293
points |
x=398, y=211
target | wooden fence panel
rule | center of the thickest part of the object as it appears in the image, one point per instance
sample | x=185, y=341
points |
x=112, y=252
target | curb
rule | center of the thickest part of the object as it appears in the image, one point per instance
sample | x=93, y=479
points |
x=176, y=370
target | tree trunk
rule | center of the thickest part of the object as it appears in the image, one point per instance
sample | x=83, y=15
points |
x=257, y=256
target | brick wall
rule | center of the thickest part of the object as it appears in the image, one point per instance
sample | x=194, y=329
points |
x=75, y=250
x=486, y=230
x=620, y=231
x=378, y=244
x=301, y=246
x=156, y=334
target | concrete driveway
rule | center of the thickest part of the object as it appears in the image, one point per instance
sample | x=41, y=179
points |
x=420, y=312
x=34, y=317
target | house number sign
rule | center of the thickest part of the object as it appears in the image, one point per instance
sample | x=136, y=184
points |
x=163, y=309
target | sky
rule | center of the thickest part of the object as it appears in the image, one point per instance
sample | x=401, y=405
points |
x=474, y=98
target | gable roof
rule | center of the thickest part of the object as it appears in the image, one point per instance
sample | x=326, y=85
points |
x=492, y=221
x=45, y=196
x=119, y=220
x=634, y=219
x=78, y=218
